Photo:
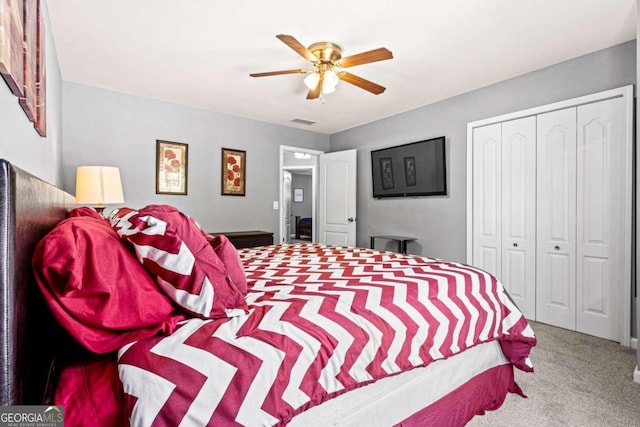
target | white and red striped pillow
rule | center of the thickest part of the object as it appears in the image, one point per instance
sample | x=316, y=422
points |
x=173, y=248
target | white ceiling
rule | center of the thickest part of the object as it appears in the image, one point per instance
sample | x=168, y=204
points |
x=200, y=52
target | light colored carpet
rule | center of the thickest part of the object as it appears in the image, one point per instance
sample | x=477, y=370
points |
x=579, y=380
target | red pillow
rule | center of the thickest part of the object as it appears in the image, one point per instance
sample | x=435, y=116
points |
x=172, y=247
x=91, y=393
x=229, y=257
x=96, y=287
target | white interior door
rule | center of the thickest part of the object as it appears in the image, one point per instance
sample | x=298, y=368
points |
x=601, y=213
x=286, y=208
x=337, y=210
x=556, y=226
x=519, y=212
x=487, y=198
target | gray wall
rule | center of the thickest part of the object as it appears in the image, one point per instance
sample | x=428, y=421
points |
x=305, y=208
x=19, y=142
x=439, y=222
x=115, y=129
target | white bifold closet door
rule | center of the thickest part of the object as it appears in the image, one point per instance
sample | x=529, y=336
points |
x=504, y=207
x=519, y=212
x=556, y=227
x=487, y=198
x=601, y=212
x=581, y=211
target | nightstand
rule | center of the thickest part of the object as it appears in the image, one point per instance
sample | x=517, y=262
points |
x=247, y=239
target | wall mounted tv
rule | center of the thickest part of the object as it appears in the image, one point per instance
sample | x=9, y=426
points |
x=410, y=170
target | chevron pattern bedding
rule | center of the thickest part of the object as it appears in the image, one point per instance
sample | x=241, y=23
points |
x=322, y=321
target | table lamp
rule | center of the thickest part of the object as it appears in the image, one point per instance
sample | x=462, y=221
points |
x=98, y=185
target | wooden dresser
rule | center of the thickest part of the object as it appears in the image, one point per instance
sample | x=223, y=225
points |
x=247, y=239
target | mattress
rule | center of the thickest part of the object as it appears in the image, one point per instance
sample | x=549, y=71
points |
x=392, y=400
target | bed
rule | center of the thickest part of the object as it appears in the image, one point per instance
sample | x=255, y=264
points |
x=303, y=227
x=290, y=353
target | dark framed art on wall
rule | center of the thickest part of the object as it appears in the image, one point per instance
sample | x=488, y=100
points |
x=233, y=172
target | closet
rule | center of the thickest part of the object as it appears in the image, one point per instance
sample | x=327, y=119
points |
x=549, y=196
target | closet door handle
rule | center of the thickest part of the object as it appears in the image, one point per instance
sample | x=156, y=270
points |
x=557, y=248
x=515, y=245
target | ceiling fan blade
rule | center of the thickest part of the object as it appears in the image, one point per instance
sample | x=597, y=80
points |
x=297, y=46
x=365, y=84
x=315, y=92
x=375, y=55
x=276, y=73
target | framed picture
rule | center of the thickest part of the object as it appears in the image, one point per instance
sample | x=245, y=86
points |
x=298, y=195
x=28, y=100
x=410, y=171
x=41, y=78
x=171, y=168
x=11, y=44
x=233, y=172
x=386, y=172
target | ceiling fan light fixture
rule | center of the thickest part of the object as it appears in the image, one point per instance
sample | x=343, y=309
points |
x=326, y=58
x=311, y=81
x=328, y=89
x=330, y=82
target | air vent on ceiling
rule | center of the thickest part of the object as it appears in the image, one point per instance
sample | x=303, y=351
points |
x=304, y=122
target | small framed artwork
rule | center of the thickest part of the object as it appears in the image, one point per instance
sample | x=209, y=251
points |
x=233, y=172
x=298, y=195
x=386, y=170
x=410, y=171
x=171, y=167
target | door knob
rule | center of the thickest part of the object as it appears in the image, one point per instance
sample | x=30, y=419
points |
x=557, y=248
x=350, y=219
x=515, y=245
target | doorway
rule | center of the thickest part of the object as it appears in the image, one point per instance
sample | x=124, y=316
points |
x=298, y=192
x=299, y=203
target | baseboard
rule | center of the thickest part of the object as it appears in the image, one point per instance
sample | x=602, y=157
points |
x=636, y=373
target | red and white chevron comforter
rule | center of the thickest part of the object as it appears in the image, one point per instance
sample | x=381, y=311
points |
x=322, y=320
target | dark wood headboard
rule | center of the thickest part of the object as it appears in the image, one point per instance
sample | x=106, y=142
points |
x=29, y=209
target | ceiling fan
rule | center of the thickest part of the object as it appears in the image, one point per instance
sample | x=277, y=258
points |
x=328, y=65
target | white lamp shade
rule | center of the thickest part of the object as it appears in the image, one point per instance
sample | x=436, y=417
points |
x=311, y=81
x=330, y=81
x=98, y=185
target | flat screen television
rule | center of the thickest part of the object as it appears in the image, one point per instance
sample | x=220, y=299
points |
x=410, y=170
